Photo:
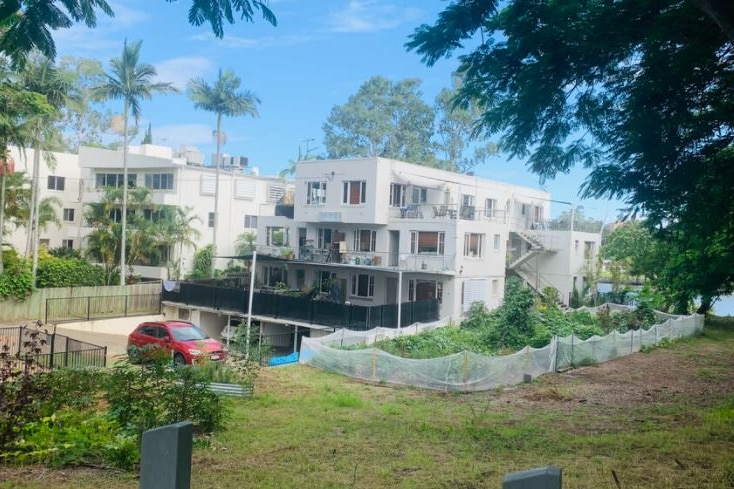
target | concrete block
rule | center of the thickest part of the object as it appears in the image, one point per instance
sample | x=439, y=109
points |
x=165, y=457
x=540, y=478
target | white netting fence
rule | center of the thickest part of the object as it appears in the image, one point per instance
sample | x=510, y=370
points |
x=471, y=372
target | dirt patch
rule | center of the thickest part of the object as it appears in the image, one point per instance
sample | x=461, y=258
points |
x=704, y=376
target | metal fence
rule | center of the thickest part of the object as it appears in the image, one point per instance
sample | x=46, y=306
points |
x=303, y=309
x=87, y=308
x=57, y=350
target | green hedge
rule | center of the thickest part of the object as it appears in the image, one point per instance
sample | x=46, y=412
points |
x=68, y=272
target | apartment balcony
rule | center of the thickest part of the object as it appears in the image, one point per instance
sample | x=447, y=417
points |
x=447, y=212
x=424, y=262
x=281, y=305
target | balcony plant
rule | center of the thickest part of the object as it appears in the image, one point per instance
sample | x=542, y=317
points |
x=287, y=253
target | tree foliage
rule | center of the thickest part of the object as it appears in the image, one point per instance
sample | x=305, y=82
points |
x=26, y=25
x=82, y=122
x=384, y=118
x=638, y=92
x=455, y=139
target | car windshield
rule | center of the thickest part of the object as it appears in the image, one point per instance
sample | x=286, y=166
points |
x=188, y=333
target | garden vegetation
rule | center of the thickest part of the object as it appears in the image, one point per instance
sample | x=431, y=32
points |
x=96, y=417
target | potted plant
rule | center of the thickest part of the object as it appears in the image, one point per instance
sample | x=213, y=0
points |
x=288, y=254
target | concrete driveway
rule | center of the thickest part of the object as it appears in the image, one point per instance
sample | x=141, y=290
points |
x=116, y=344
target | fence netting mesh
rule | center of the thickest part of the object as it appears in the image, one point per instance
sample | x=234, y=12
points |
x=463, y=372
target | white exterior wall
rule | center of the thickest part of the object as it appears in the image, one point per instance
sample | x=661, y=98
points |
x=240, y=195
x=440, y=189
x=567, y=262
x=193, y=186
x=72, y=197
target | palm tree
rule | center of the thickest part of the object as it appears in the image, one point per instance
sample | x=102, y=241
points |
x=41, y=76
x=131, y=81
x=25, y=25
x=18, y=110
x=224, y=99
x=177, y=228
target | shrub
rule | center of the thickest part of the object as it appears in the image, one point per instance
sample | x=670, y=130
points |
x=156, y=394
x=68, y=272
x=17, y=280
x=71, y=437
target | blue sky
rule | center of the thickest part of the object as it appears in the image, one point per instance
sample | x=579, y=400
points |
x=317, y=56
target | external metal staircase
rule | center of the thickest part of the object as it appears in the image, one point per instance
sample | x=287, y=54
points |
x=522, y=265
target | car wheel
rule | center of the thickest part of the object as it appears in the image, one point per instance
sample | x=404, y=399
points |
x=179, y=360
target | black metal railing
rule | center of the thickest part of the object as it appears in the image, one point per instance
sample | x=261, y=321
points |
x=57, y=350
x=88, y=307
x=303, y=309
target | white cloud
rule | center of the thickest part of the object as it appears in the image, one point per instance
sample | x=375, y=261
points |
x=180, y=70
x=370, y=16
x=182, y=134
x=252, y=42
x=80, y=40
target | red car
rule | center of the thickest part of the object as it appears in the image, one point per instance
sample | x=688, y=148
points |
x=187, y=341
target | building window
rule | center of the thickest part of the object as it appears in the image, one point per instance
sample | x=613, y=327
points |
x=250, y=221
x=56, y=183
x=325, y=280
x=275, y=276
x=355, y=192
x=588, y=250
x=423, y=290
x=397, y=195
x=576, y=246
x=210, y=220
x=495, y=287
x=323, y=239
x=419, y=195
x=152, y=215
x=300, y=279
x=363, y=285
x=473, y=244
x=277, y=236
x=497, y=242
x=159, y=181
x=538, y=214
x=316, y=193
x=114, y=180
x=275, y=193
x=467, y=200
x=67, y=243
x=426, y=242
x=365, y=240
x=490, y=206
x=69, y=215
x=116, y=215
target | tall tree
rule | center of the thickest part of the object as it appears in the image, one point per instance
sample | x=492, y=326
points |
x=41, y=76
x=460, y=148
x=384, y=118
x=178, y=230
x=19, y=110
x=131, y=81
x=26, y=25
x=638, y=92
x=224, y=98
x=82, y=122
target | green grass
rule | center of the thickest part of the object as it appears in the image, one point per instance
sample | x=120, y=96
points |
x=307, y=428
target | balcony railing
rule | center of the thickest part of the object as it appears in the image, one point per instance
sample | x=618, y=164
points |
x=303, y=309
x=444, y=211
x=397, y=261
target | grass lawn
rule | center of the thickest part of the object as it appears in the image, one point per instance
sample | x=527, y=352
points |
x=663, y=419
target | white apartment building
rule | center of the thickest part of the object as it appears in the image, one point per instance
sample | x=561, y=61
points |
x=174, y=178
x=377, y=231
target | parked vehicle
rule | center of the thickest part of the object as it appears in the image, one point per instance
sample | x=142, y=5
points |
x=187, y=342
